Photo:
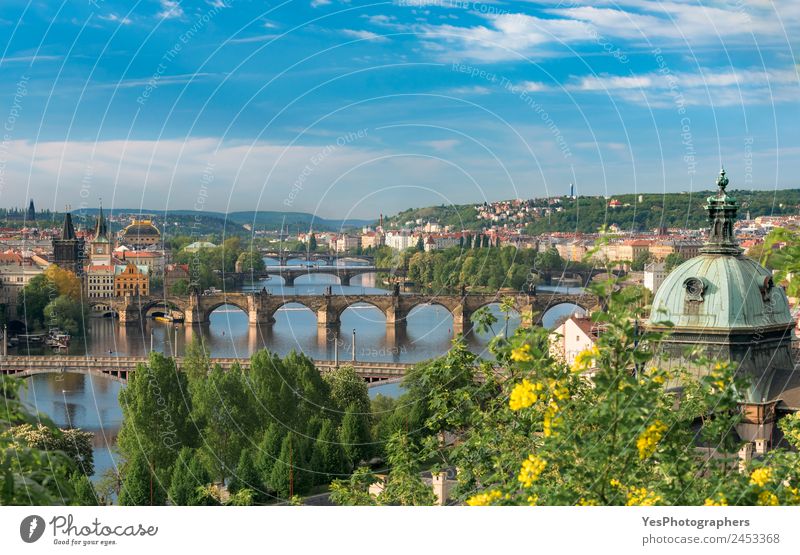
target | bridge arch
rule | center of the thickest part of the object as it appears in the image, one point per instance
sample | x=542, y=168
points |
x=360, y=303
x=163, y=306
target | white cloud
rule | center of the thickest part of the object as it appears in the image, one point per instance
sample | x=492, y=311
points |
x=318, y=3
x=441, y=145
x=727, y=87
x=468, y=91
x=114, y=18
x=170, y=9
x=364, y=35
x=618, y=24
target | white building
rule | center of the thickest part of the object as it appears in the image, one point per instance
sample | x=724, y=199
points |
x=400, y=240
x=575, y=335
x=654, y=275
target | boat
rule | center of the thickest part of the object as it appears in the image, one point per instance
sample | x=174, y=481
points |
x=163, y=319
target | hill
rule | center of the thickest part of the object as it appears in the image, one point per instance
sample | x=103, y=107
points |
x=636, y=212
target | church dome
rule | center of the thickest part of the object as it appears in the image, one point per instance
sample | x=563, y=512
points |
x=721, y=289
x=141, y=228
x=722, y=292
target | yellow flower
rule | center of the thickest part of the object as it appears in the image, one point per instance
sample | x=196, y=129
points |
x=551, y=419
x=585, y=359
x=615, y=483
x=761, y=476
x=583, y=502
x=767, y=498
x=720, y=501
x=522, y=354
x=532, y=467
x=483, y=499
x=523, y=395
x=642, y=497
x=649, y=439
x=532, y=500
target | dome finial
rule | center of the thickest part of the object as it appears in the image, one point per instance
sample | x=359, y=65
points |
x=722, y=180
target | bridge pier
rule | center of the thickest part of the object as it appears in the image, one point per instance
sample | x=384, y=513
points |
x=327, y=317
x=462, y=322
x=344, y=279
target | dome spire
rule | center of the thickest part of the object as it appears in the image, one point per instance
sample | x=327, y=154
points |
x=722, y=210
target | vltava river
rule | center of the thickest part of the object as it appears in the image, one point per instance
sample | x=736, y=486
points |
x=88, y=402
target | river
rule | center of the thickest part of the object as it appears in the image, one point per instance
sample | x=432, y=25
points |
x=90, y=402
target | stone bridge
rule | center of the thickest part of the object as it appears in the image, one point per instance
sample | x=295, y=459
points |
x=120, y=368
x=284, y=256
x=289, y=274
x=261, y=307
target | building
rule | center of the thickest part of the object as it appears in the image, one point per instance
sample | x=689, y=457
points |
x=99, y=281
x=101, y=244
x=575, y=335
x=346, y=243
x=69, y=249
x=371, y=239
x=131, y=280
x=654, y=275
x=400, y=240
x=198, y=245
x=140, y=234
x=173, y=273
x=16, y=271
x=727, y=305
x=153, y=259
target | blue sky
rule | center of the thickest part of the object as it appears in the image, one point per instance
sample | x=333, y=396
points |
x=356, y=108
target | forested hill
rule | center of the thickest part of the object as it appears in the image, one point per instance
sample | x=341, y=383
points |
x=638, y=212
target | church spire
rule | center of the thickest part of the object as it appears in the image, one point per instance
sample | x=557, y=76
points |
x=101, y=228
x=722, y=210
x=68, y=233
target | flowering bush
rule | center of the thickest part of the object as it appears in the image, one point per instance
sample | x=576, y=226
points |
x=528, y=429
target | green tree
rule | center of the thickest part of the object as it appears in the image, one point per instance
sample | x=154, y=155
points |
x=222, y=404
x=67, y=314
x=290, y=475
x=188, y=475
x=328, y=459
x=347, y=389
x=85, y=493
x=251, y=261
x=246, y=477
x=140, y=483
x=179, y=287
x=33, y=299
x=269, y=449
x=312, y=243
x=30, y=475
x=673, y=260
x=156, y=424
x=354, y=435
x=641, y=260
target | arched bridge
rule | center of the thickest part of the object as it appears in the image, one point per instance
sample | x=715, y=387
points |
x=289, y=274
x=284, y=256
x=120, y=368
x=261, y=307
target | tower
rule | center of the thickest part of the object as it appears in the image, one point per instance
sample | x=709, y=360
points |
x=30, y=216
x=101, y=242
x=727, y=305
x=68, y=250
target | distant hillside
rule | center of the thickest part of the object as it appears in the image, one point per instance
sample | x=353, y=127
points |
x=216, y=221
x=587, y=214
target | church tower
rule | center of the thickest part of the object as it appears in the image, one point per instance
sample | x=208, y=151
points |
x=102, y=245
x=68, y=250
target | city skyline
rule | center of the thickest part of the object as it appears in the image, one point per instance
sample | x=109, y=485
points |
x=343, y=109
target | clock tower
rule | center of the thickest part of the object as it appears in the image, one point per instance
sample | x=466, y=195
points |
x=101, y=245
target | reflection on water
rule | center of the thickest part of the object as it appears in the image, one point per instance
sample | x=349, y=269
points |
x=91, y=402
x=80, y=401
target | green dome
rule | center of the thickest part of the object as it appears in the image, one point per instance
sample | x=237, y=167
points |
x=720, y=292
